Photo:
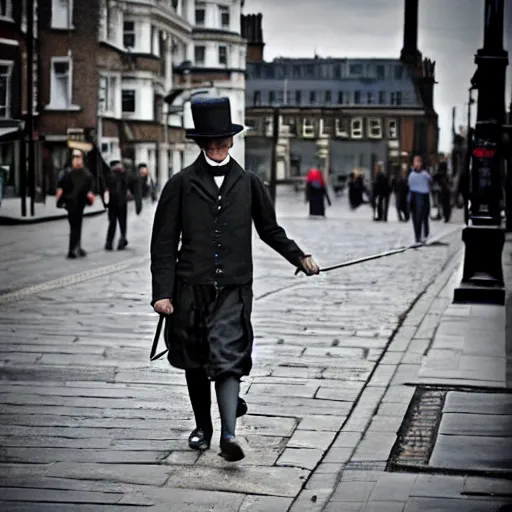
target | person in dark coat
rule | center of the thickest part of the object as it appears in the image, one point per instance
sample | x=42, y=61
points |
x=204, y=287
x=74, y=193
x=356, y=189
x=420, y=188
x=445, y=191
x=400, y=187
x=148, y=188
x=120, y=186
x=380, y=194
x=316, y=193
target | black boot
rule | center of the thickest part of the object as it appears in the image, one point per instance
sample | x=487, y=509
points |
x=109, y=246
x=200, y=440
x=82, y=253
x=241, y=408
x=122, y=244
x=230, y=449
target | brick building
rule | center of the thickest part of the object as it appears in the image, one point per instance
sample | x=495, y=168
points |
x=339, y=113
x=13, y=90
x=105, y=68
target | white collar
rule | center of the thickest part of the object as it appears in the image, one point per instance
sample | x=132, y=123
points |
x=213, y=163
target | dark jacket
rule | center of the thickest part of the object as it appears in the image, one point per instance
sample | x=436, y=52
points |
x=75, y=185
x=119, y=183
x=215, y=227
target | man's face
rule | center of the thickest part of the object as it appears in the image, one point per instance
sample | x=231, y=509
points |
x=143, y=171
x=218, y=149
x=417, y=162
x=77, y=160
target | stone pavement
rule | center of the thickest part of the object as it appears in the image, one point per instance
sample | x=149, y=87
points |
x=87, y=424
x=443, y=416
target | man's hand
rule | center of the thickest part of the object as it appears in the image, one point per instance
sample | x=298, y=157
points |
x=90, y=198
x=309, y=266
x=164, y=307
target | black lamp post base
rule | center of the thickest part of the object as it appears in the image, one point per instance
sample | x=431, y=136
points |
x=482, y=281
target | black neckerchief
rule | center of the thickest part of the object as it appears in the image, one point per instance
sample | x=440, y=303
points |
x=217, y=170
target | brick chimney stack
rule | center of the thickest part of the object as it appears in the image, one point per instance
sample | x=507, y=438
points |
x=252, y=30
x=410, y=51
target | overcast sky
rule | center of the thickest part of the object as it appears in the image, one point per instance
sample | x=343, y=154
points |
x=450, y=32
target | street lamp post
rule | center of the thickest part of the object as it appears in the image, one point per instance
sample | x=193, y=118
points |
x=484, y=236
x=273, y=162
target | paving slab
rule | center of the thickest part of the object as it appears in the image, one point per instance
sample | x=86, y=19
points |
x=478, y=403
x=447, y=505
x=485, y=425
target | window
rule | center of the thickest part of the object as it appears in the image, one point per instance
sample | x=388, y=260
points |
x=356, y=128
x=312, y=97
x=328, y=97
x=256, y=98
x=199, y=55
x=129, y=34
x=154, y=40
x=357, y=97
x=224, y=16
x=109, y=23
x=380, y=71
x=223, y=55
x=128, y=101
x=280, y=97
x=200, y=13
x=355, y=69
x=374, y=128
x=369, y=98
x=271, y=97
x=298, y=97
x=340, y=97
x=6, y=9
x=61, y=83
x=392, y=98
x=341, y=127
x=392, y=129
x=108, y=90
x=308, y=128
x=62, y=13
x=5, y=90
x=382, y=97
x=399, y=72
x=398, y=98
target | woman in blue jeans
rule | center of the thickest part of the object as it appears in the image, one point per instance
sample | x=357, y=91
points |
x=420, y=183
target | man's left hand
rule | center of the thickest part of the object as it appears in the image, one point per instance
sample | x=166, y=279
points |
x=90, y=198
x=309, y=266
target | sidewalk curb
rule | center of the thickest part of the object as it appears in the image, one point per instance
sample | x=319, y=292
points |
x=15, y=221
x=351, y=449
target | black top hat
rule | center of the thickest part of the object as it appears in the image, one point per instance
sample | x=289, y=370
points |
x=212, y=119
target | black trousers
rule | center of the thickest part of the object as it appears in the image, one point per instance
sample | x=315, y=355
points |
x=75, y=217
x=420, y=210
x=116, y=213
x=402, y=210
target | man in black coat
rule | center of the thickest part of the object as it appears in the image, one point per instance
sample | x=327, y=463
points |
x=120, y=186
x=74, y=193
x=205, y=286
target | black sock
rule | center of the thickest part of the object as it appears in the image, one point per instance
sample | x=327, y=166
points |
x=199, y=391
x=228, y=389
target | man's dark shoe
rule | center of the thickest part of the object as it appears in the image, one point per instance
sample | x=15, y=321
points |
x=109, y=247
x=72, y=256
x=199, y=440
x=122, y=244
x=230, y=449
x=82, y=253
x=241, y=408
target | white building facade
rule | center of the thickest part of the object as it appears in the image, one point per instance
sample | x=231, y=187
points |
x=215, y=64
x=140, y=42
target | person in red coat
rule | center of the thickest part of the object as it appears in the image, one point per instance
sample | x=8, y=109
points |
x=316, y=193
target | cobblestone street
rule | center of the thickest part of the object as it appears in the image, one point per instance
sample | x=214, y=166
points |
x=88, y=424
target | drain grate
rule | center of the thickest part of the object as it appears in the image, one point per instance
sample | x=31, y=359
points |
x=417, y=435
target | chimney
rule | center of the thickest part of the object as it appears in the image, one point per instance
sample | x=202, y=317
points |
x=252, y=31
x=410, y=48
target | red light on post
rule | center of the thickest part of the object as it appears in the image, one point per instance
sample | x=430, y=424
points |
x=484, y=153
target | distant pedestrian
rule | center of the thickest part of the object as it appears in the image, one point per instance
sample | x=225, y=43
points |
x=356, y=189
x=205, y=286
x=381, y=190
x=74, y=193
x=120, y=186
x=316, y=193
x=400, y=187
x=419, y=198
x=445, y=191
x=148, y=188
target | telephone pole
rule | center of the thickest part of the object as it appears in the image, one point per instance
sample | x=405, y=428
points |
x=30, y=106
x=484, y=236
